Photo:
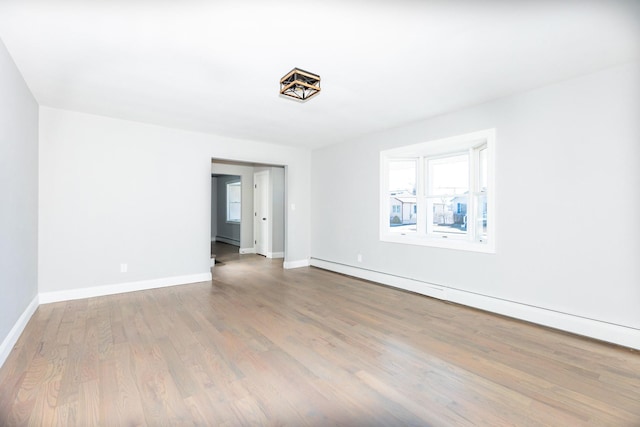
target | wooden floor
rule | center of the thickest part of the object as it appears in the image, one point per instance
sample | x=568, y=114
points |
x=265, y=346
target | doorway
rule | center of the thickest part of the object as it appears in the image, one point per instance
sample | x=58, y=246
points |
x=270, y=238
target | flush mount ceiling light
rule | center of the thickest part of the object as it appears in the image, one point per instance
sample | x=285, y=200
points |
x=300, y=84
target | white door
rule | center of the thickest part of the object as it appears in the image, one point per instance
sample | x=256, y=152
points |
x=262, y=220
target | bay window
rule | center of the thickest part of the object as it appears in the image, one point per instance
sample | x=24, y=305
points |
x=440, y=193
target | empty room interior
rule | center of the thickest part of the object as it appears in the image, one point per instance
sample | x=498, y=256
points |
x=347, y=213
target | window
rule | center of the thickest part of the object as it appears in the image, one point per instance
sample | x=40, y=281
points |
x=402, y=194
x=440, y=193
x=234, y=195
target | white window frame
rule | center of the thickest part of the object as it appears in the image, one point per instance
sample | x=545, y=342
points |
x=470, y=143
x=233, y=220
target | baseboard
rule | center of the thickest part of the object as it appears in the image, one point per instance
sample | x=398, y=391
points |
x=416, y=286
x=275, y=254
x=604, y=331
x=295, y=264
x=227, y=240
x=247, y=251
x=97, y=291
x=15, y=332
x=600, y=330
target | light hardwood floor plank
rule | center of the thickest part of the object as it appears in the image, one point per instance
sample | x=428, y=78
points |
x=260, y=345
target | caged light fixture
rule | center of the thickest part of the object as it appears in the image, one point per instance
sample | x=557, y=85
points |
x=300, y=84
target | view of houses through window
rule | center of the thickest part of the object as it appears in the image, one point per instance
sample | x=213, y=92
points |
x=402, y=193
x=447, y=193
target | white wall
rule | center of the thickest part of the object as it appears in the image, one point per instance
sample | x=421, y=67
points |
x=114, y=191
x=574, y=145
x=18, y=202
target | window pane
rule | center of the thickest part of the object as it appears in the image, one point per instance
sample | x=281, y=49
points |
x=448, y=175
x=234, y=212
x=402, y=194
x=448, y=214
x=482, y=169
x=481, y=218
x=234, y=209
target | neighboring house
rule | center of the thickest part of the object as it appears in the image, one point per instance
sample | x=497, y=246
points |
x=458, y=207
x=450, y=212
x=442, y=213
x=402, y=209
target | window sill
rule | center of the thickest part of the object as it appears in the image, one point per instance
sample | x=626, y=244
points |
x=455, y=244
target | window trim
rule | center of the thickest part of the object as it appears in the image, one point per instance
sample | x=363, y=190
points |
x=469, y=142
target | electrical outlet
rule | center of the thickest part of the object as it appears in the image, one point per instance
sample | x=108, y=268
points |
x=123, y=268
x=359, y=257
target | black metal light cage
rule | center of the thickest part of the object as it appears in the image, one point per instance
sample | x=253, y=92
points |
x=300, y=84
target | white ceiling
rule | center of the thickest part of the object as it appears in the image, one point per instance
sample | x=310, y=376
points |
x=214, y=66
